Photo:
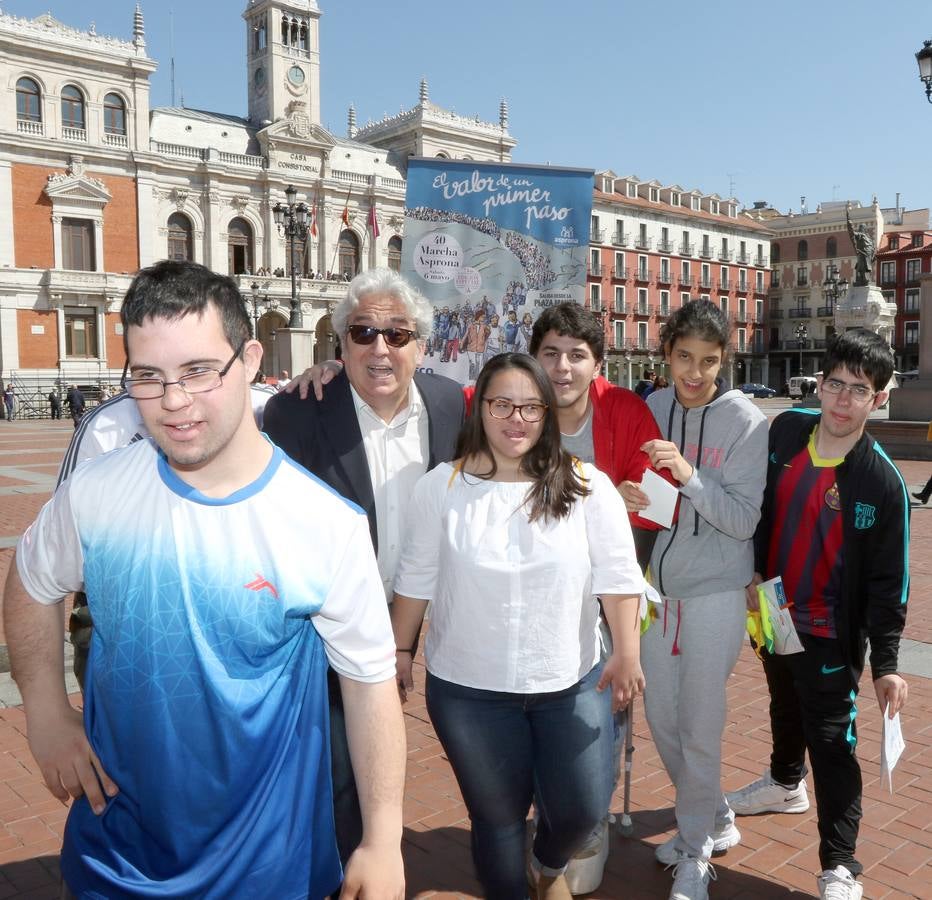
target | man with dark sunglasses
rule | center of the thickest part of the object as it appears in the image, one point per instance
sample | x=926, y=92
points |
x=379, y=426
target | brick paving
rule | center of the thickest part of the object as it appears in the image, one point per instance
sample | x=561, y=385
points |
x=777, y=856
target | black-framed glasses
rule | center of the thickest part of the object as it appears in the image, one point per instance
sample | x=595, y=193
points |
x=500, y=408
x=196, y=383
x=394, y=337
x=857, y=392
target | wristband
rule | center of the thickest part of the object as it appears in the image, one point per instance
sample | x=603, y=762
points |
x=405, y=650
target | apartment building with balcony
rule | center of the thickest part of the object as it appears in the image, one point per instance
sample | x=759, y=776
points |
x=652, y=247
x=903, y=258
x=812, y=258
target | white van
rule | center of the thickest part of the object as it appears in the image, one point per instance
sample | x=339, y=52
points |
x=796, y=383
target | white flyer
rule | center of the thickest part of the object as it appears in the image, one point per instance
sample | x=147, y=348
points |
x=891, y=747
x=772, y=595
x=662, y=496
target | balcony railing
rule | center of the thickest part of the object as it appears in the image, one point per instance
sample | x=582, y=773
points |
x=620, y=239
x=642, y=309
x=620, y=309
x=742, y=286
x=819, y=344
x=665, y=246
x=25, y=126
x=826, y=312
x=759, y=287
x=705, y=282
x=595, y=270
x=743, y=259
x=724, y=284
x=761, y=262
x=664, y=310
x=799, y=312
x=912, y=280
x=115, y=140
x=664, y=277
x=706, y=252
x=687, y=249
x=741, y=316
x=686, y=281
x=725, y=255
x=794, y=344
x=643, y=243
x=620, y=273
x=642, y=274
x=596, y=235
x=74, y=134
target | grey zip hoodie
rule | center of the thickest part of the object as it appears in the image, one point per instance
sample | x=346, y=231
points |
x=709, y=548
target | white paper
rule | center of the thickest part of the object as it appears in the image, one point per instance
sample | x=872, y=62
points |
x=785, y=638
x=650, y=595
x=891, y=747
x=662, y=496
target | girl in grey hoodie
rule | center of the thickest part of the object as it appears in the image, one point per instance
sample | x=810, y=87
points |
x=715, y=445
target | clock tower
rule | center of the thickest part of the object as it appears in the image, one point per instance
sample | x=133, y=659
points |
x=283, y=59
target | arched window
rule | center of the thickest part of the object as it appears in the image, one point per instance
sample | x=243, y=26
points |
x=239, y=247
x=286, y=30
x=394, y=253
x=114, y=114
x=775, y=254
x=348, y=253
x=180, y=237
x=259, y=32
x=831, y=248
x=802, y=250
x=294, y=32
x=302, y=38
x=28, y=97
x=72, y=107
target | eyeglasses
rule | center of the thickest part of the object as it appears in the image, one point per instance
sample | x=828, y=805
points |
x=500, y=408
x=196, y=383
x=394, y=337
x=857, y=392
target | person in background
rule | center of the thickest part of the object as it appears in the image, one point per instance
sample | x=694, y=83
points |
x=510, y=544
x=55, y=404
x=75, y=400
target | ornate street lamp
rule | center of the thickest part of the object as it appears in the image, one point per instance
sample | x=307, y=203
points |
x=292, y=221
x=261, y=304
x=802, y=335
x=832, y=287
x=924, y=58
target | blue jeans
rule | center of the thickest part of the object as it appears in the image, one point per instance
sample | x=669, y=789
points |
x=509, y=749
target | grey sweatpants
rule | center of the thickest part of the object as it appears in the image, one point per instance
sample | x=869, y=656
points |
x=685, y=705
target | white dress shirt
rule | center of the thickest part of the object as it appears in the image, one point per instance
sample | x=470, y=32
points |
x=397, y=453
x=513, y=603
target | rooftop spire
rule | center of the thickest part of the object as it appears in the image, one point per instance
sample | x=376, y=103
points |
x=351, y=122
x=503, y=114
x=139, y=28
x=424, y=94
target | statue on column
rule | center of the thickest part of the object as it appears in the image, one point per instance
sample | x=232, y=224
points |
x=864, y=248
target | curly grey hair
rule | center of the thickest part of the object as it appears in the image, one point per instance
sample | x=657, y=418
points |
x=383, y=281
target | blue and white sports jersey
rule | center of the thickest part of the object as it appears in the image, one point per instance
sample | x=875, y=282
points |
x=206, y=696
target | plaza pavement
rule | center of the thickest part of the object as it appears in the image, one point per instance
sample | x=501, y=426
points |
x=777, y=856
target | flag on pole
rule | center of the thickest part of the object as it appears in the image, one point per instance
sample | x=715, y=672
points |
x=373, y=221
x=313, y=229
x=345, y=217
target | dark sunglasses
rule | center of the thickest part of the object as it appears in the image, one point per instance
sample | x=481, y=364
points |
x=394, y=337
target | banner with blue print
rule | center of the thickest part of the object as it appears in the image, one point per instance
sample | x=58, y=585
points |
x=491, y=245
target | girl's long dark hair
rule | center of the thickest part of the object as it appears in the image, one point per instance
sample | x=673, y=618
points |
x=556, y=481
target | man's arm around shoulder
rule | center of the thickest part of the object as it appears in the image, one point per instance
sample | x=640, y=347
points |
x=376, y=735
x=35, y=634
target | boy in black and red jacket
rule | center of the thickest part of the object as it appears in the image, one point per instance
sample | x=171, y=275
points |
x=835, y=527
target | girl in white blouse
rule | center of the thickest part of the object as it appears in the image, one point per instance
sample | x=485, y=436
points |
x=513, y=543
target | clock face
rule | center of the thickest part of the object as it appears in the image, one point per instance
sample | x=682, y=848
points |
x=296, y=76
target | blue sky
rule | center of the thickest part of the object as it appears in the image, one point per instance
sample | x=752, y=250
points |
x=766, y=101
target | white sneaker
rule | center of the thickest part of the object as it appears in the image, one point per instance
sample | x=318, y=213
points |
x=585, y=870
x=691, y=879
x=839, y=884
x=724, y=839
x=765, y=795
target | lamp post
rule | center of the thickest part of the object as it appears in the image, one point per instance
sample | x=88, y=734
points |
x=292, y=221
x=924, y=58
x=802, y=335
x=833, y=287
x=261, y=303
